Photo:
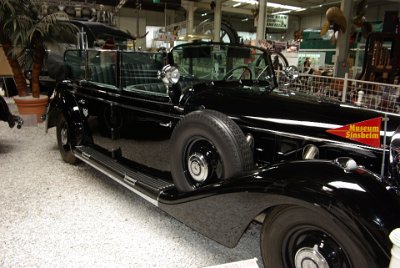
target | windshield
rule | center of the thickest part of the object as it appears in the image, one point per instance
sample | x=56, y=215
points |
x=208, y=61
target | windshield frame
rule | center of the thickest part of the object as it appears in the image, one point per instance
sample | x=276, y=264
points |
x=193, y=58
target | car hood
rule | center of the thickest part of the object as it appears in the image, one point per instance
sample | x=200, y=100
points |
x=287, y=111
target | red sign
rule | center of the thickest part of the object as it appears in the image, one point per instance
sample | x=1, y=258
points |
x=366, y=132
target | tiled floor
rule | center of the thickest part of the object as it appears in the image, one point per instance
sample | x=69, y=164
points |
x=53, y=214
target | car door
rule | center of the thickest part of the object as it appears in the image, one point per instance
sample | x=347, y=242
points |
x=144, y=92
x=96, y=91
x=125, y=101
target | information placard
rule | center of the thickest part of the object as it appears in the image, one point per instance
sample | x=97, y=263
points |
x=277, y=21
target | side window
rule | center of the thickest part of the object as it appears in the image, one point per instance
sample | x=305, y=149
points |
x=75, y=64
x=139, y=71
x=102, y=67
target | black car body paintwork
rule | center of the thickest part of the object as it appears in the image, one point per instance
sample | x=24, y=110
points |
x=6, y=116
x=282, y=123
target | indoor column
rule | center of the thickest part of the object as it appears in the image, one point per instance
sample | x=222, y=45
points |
x=217, y=21
x=261, y=23
x=342, y=45
x=190, y=8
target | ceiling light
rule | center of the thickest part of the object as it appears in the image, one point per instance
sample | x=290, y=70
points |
x=245, y=19
x=275, y=5
x=254, y=2
x=269, y=4
x=120, y=5
x=281, y=12
x=204, y=14
x=237, y=4
x=327, y=4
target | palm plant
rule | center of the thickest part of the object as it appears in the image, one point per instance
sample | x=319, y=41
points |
x=8, y=7
x=28, y=30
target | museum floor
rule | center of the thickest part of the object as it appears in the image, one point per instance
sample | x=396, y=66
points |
x=56, y=215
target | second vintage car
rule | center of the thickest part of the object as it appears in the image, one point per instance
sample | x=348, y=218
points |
x=7, y=116
x=204, y=133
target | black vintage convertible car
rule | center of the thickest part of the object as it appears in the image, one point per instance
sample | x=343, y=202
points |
x=238, y=149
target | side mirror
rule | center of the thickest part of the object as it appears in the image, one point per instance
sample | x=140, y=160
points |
x=291, y=72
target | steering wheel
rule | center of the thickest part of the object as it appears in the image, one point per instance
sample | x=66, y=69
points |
x=229, y=74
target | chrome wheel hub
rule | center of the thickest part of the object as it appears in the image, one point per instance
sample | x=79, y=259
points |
x=64, y=136
x=198, y=167
x=310, y=258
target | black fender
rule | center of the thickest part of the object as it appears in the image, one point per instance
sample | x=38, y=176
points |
x=4, y=111
x=65, y=103
x=358, y=199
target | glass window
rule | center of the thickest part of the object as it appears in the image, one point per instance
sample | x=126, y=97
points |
x=217, y=62
x=102, y=67
x=139, y=71
x=75, y=62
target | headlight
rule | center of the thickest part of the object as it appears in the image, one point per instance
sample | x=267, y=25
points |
x=170, y=74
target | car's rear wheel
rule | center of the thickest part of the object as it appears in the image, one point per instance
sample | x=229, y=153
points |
x=207, y=146
x=64, y=141
x=299, y=237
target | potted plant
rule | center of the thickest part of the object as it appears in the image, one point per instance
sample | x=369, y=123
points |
x=8, y=7
x=26, y=32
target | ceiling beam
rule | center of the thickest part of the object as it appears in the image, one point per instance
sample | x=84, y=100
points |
x=120, y=5
x=225, y=9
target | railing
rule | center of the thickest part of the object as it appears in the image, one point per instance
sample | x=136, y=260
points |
x=377, y=96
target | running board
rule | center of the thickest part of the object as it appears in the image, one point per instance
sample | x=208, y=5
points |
x=144, y=185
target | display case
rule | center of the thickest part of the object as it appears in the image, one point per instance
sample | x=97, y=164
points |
x=381, y=58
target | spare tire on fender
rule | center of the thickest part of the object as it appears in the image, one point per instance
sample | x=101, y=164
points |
x=207, y=146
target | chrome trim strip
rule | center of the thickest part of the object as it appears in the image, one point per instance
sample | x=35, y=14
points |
x=170, y=115
x=286, y=134
x=86, y=155
x=128, y=186
x=133, y=89
x=308, y=124
x=130, y=180
x=295, y=122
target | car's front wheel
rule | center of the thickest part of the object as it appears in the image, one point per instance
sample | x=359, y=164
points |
x=300, y=237
x=207, y=146
x=64, y=142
